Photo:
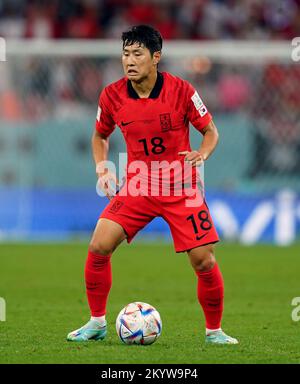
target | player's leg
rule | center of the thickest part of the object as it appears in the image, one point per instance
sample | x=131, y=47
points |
x=98, y=278
x=194, y=232
x=122, y=218
x=210, y=292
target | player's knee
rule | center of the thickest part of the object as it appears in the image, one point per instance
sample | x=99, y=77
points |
x=208, y=262
x=205, y=261
x=101, y=247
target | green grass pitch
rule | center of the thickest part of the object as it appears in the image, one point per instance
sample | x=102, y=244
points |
x=45, y=297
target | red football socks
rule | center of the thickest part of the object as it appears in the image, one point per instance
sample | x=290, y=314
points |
x=98, y=281
x=98, y=278
x=210, y=295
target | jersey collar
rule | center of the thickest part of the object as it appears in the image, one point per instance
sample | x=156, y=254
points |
x=155, y=91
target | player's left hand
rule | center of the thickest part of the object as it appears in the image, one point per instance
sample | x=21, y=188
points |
x=194, y=158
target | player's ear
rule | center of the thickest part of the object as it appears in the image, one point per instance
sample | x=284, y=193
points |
x=156, y=57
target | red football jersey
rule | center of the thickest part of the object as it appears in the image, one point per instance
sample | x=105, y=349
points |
x=156, y=128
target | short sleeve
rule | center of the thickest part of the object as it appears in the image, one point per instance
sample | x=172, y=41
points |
x=197, y=112
x=104, y=121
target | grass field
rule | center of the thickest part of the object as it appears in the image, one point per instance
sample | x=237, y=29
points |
x=45, y=296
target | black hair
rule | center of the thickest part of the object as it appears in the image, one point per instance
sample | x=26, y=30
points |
x=143, y=35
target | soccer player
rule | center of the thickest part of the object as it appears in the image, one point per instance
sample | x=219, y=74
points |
x=153, y=111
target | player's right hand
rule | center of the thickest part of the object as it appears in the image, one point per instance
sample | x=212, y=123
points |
x=108, y=183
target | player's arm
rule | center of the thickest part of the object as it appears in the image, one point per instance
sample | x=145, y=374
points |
x=209, y=143
x=100, y=147
x=201, y=119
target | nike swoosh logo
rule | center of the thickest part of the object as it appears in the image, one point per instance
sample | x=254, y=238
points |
x=200, y=237
x=129, y=122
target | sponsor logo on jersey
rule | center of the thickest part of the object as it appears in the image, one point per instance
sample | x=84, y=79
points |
x=201, y=237
x=165, y=122
x=129, y=122
x=198, y=103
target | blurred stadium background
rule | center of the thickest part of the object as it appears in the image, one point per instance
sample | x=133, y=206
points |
x=60, y=54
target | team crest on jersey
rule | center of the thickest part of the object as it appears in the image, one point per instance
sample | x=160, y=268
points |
x=198, y=103
x=116, y=206
x=165, y=122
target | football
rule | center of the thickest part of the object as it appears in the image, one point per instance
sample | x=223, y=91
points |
x=139, y=323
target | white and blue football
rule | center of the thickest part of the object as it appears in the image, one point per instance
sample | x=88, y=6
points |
x=138, y=323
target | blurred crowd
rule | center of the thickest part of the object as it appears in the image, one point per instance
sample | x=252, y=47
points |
x=35, y=89
x=176, y=19
x=266, y=96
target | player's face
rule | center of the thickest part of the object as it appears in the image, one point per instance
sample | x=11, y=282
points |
x=138, y=62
